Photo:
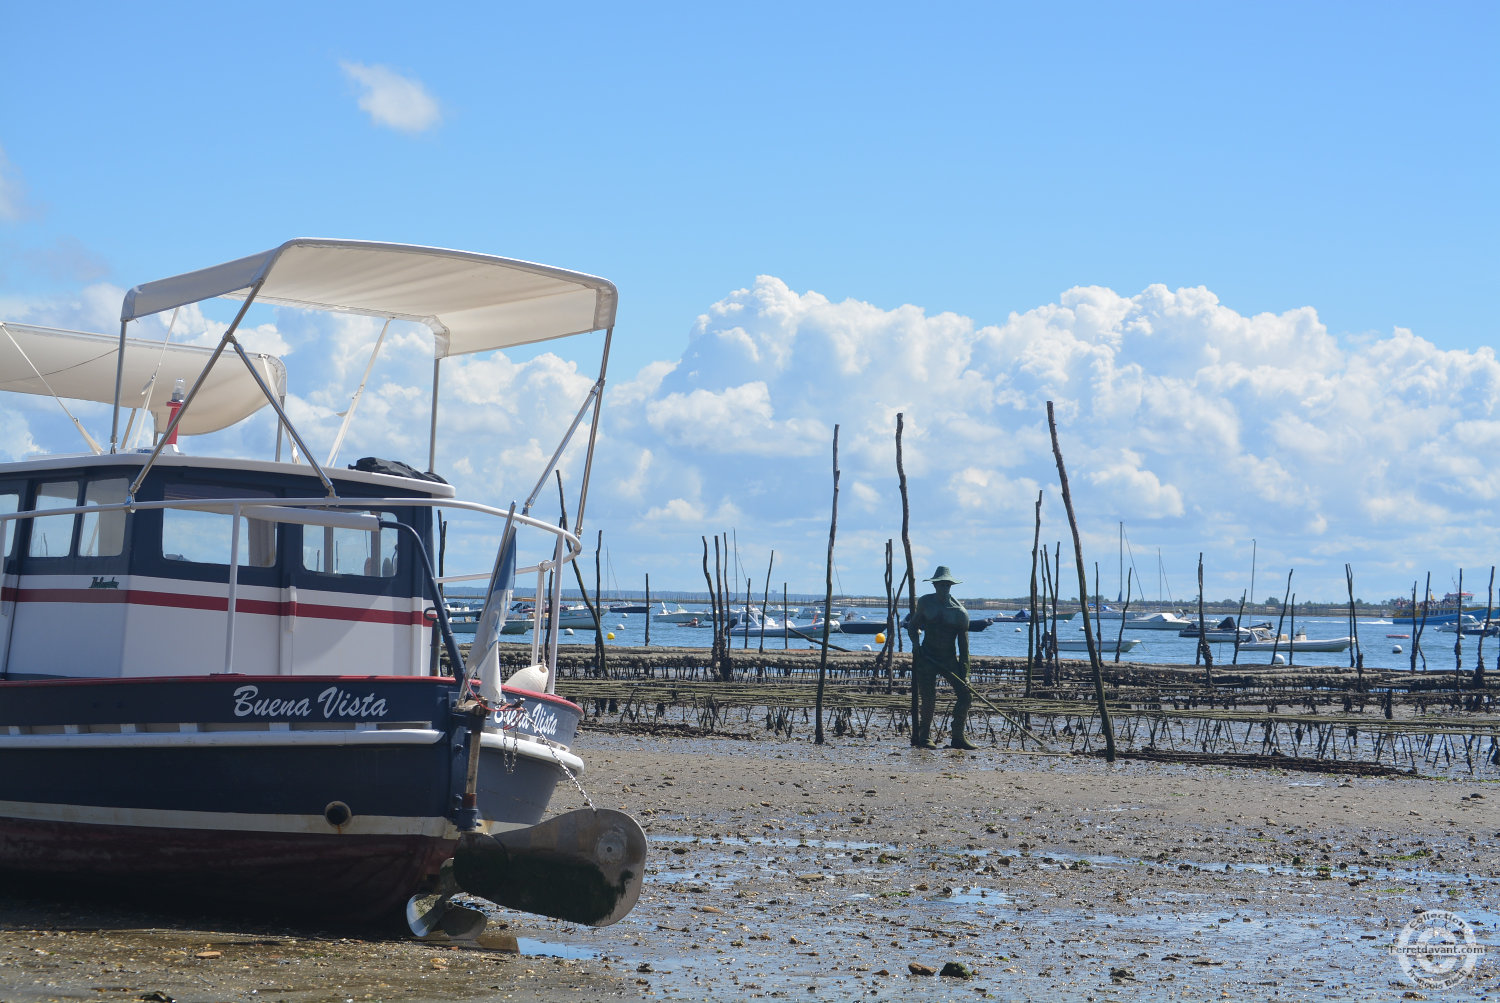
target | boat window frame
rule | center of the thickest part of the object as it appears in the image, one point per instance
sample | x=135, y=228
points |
x=10, y=529
x=407, y=582
x=23, y=562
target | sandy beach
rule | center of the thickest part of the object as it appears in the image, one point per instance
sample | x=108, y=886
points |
x=782, y=869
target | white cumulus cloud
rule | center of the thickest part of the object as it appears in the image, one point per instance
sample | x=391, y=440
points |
x=392, y=100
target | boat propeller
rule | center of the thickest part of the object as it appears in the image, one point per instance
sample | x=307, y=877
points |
x=584, y=866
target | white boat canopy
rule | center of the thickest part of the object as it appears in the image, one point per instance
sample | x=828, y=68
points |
x=472, y=302
x=76, y=365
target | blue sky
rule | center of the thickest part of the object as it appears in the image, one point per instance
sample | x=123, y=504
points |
x=899, y=181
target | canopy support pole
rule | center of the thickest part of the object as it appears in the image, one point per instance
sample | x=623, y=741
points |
x=187, y=402
x=567, y=437
x=338, y=440
x=432, y=427
x=588, y=459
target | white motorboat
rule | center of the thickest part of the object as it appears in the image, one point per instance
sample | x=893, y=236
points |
x=815, y=629
x=678, y=615
x=755, y=624
x=1266, y=640
x=1161, y=621
x=1470, y=624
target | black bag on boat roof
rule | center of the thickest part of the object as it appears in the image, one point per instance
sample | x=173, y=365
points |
x=376, y=465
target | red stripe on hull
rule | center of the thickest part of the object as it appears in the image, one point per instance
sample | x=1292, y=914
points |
x=355, y=878
x=217, y=604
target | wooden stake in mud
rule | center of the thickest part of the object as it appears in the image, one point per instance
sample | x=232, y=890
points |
x=1281, y=619
x=1124, y=612
x=713, y=609
x=1047, y=619
x=1239, y=624
x=1056, y=596
x=556, y=615
x=765, y=602
x=1291, y=649
x=1416, y=636
x=1458, y=634
x=1203, y=649
x=833, y=526
x=887, y=660
x=1046, y=648
x=911, y=569
x=1083, y=588
x=598, y=606
x=784, y=636
x=648, y=609
x=1031, y=636
x=1489, y=609
x=1356, y=657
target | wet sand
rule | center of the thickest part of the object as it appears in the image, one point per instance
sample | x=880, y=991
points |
x=782, y=869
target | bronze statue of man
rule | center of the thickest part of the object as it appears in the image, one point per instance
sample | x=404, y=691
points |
x=943, y=647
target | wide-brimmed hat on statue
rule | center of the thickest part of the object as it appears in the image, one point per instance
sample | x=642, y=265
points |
x=942, y=574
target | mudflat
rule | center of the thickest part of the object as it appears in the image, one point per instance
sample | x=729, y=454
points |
x=864, y=869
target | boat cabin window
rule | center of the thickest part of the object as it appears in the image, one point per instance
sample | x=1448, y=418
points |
x=10, y=504
x=332, y=550
x=198, y=536
x=103, y=533
x=52, y=535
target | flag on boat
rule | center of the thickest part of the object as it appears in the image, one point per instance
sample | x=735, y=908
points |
x=485, y=651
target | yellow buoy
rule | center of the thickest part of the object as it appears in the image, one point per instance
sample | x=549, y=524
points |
x=610, y=635
x=879, y=638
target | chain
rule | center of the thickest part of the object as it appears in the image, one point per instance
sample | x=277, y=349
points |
x=564, y=767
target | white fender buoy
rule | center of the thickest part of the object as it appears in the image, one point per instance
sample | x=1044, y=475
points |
x=533, y=677
x=1018, y=630
x=568, y=631
x=868, y=648
x=1278, y=660
x=619, y=626
x=1395, y=649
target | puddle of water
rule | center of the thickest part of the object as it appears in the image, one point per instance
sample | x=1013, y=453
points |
x=777, y=841
x=976, y=895
x=551, y=949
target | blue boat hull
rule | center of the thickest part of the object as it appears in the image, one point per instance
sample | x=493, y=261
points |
x=332, y=796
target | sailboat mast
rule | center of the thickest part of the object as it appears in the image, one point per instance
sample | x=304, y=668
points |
x=1252, y=569
x=1120, y=596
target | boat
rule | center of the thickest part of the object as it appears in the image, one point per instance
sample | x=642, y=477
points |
x=1223, y=632
x=256, y=715
x=1267, y=640
x=1468, y=624
x=815, y=628
x=678, y=615
x=1162, y=621
x=859, y=625
x=627, y=608
x=753, y=624
x=463, y=617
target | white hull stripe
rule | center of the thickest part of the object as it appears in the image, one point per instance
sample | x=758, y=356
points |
x=283, y=739
x=223, y=821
